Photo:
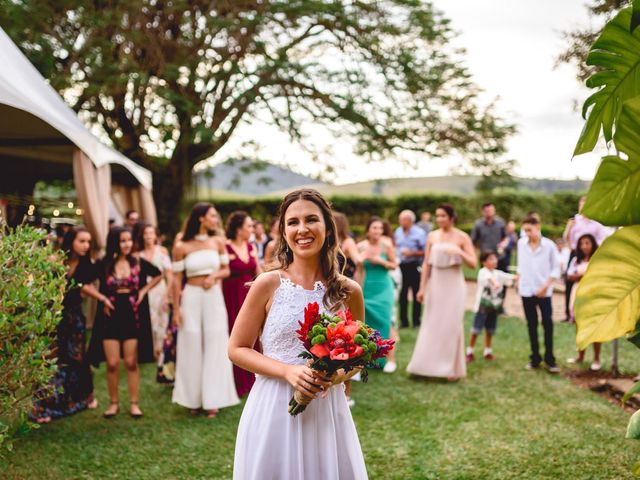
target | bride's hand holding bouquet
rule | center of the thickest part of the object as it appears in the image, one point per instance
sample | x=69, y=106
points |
x=336, y=347
x=306, y=381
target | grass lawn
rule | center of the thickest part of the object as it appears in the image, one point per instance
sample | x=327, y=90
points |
x=501, y=422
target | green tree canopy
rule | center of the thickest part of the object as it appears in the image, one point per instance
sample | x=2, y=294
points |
x=169, y=81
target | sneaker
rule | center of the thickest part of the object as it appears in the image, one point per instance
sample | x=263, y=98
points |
x=351, y=402
x=390, y=367
x=595, y=366
x=489, y=356
x=532, y=366
x=553, y=369
x=470, y=358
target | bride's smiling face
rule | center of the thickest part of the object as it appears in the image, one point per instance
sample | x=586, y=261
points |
x=304, y=228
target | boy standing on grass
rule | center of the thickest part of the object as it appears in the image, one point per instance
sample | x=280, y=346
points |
x=489, y=299
x=538, y=267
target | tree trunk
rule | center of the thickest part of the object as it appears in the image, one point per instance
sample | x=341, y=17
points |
x=169, y=186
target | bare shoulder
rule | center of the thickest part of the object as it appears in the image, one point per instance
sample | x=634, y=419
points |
x=464, y=237
x=354, y=287
x=163, y=250
x=348, y=242
x=179, y=250
x=267, y=281
x=219, y=242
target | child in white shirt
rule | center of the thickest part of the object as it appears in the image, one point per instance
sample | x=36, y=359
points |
x=489, y=300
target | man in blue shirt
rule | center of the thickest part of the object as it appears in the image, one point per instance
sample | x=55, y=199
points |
x=410, y=243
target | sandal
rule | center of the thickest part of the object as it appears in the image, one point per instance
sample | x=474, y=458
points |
x=109, y=415
x=135, y=416
x=213, y=413
x=93, y=404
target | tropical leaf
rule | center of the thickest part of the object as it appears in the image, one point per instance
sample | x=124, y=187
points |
x=635, y=16
x=631, y=392
x=633, y=428
x=614, y=196
x=616, y=54
x=608, y=298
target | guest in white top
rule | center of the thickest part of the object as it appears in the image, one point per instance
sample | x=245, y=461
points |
x=490, y=293
x=538, y=267
x=204, y=373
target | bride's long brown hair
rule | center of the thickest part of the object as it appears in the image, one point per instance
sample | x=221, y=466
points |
x=337, y=290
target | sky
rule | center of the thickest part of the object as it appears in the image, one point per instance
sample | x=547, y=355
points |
x=511, y=49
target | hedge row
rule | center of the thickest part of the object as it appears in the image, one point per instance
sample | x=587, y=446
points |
x=555, y=209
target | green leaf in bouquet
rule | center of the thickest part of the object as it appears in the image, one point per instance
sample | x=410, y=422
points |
x=608, y=298
x=614, y=196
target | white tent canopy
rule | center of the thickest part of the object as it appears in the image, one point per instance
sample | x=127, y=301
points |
x=41, y=135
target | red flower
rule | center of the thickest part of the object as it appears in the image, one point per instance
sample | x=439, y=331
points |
x=340, y=340
x=346, y=329
x=320, y=350
x=350, y=350
x=345, y=315
x=311, y=317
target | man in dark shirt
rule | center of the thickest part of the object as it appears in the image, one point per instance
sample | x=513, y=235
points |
x=489, y=234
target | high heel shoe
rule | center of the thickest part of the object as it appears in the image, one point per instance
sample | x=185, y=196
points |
x=110, y=415
x=135, y=416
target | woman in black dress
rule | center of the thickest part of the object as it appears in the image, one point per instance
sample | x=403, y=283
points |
x=125, y=284
x=73, y=382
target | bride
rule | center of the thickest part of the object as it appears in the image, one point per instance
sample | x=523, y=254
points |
x=321, y=442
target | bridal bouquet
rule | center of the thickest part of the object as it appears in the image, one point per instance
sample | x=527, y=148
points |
x=334, y=342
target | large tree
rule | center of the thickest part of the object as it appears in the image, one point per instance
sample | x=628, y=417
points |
x=169, y=81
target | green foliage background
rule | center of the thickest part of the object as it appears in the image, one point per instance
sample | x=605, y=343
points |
x=32, y=285
x=555, y=209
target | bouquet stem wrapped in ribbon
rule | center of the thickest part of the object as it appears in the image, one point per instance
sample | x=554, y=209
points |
x=336, y=342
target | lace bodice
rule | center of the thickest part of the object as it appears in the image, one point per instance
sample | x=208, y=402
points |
x=279, y=339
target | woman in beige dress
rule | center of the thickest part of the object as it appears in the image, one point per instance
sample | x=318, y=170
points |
x=439, y=349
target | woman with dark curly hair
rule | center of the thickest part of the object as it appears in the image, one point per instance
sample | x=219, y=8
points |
x=244, y=266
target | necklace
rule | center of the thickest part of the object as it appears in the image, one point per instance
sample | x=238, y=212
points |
x=201, y=237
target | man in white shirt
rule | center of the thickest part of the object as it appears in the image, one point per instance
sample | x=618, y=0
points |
x=538, y=267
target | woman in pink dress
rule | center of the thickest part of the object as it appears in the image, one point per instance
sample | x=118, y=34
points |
x=244, y=265
x=439, y=349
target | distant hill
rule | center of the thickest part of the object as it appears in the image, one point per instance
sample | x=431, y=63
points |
x=460, y=185
x=242, y=178
x=247, y=178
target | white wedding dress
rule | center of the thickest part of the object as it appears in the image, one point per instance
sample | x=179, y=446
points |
x=321, y=443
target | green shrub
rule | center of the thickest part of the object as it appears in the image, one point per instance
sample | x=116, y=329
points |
x=554, y=209
x=32, y=285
